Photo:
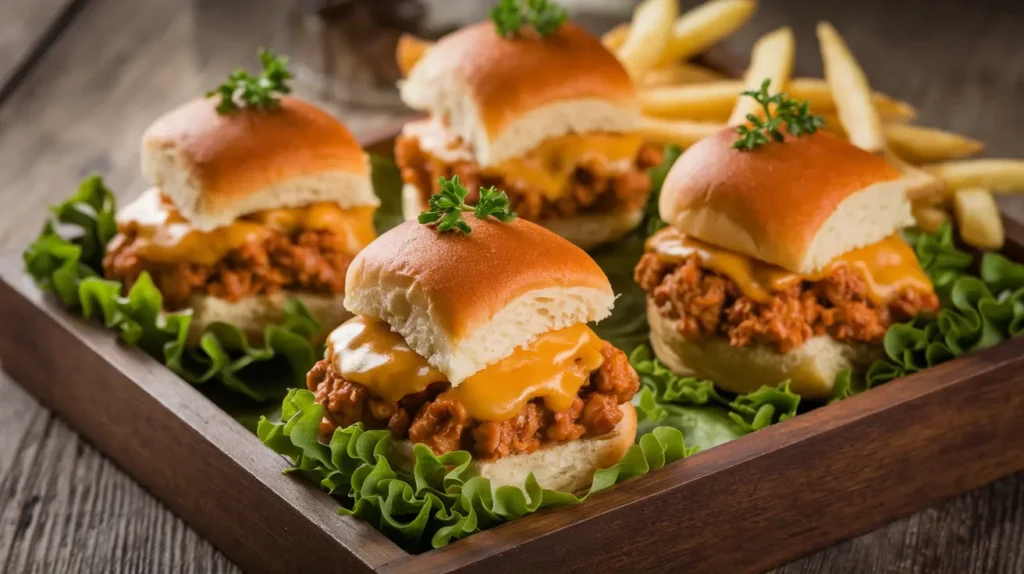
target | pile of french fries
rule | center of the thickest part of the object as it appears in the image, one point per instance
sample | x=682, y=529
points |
x=683, y=102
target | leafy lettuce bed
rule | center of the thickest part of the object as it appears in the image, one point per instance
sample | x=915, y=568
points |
x=978, y=311
x=67, y=259
x=431, y=500
x=437, y=499
x=246, y=379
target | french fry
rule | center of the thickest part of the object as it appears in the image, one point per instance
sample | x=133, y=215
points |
x=704, y=26
x=929, y=217
x=819, y=97
x=978, y=219
x=709, y=101
x=771, y=59
x=998, y=175
x=648, y=34
x=409, y=51
x=683, y=133
x=850, y=91
x=680, y=73
x=921, y=185
x=918, y=144
x=614, y=39
x=676, y=100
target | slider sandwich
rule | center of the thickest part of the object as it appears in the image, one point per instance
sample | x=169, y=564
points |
x=783, y=261
x=248, y=207
x=551, y=118
x=478, y=340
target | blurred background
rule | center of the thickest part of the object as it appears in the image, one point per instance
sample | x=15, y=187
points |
x=81, y=79
x=922, y=51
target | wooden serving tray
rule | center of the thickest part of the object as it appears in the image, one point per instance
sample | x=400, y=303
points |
x=748, y=505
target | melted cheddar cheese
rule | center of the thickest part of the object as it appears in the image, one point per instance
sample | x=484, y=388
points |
x=163, y=235
x=553, y=367
x=548, y=167
x=888, y=267
x=551, y=166
x=368, y=352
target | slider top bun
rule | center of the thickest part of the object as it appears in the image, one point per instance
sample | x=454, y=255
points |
x=466, y=301
x=798, y=204
x=216, y=168
x=503, y=96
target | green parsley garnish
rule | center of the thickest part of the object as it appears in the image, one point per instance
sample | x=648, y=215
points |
x=510, y=16
x=796, y=116
x=447, y=206
x=242, y=89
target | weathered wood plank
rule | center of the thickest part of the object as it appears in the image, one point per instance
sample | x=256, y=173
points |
x=27, y=27
x=65, y=508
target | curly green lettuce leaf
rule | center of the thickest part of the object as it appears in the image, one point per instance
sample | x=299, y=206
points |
x=764, y=407
x=703, y=413
x=653, y=221
x=939, y=257
x=979, y=312
x=668, y=387
x=67, y=260
x=702, y=426
x=426, y=500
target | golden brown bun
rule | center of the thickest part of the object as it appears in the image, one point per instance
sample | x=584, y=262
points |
x=566, y=467
x=466, y=301
x=503, y=96
x=796, y=204
x=811, y=368
x=216, y=167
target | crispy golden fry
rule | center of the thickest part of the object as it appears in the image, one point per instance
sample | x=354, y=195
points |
x=998, y=175
x=680, y=73
x=850, y=91
x=978, y=219
x=677, y=100
x=704, y=26
x=409, y=51
x=771, y=59
x=648, y=34
x=929, y=217
x=922, y=186
x=709, y=101
x=819, y=96
x=918, y=144
x=683, y=133
x=614, y=39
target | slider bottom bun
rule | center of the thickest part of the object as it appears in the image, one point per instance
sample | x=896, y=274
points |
x=811, y=368
x=587, y=231
x=253, y=314
x=566, y=467
x=592, y=230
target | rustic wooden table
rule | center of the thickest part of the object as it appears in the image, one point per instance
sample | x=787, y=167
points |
x=80, y=80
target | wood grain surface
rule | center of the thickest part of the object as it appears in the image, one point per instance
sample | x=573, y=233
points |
x=89, y=91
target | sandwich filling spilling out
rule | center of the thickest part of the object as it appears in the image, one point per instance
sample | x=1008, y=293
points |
x=565, y=176
x=303, y=249
x=711, y=292
x=564, y=385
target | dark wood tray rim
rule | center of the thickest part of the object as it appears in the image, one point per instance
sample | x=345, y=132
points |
x=750, y=504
